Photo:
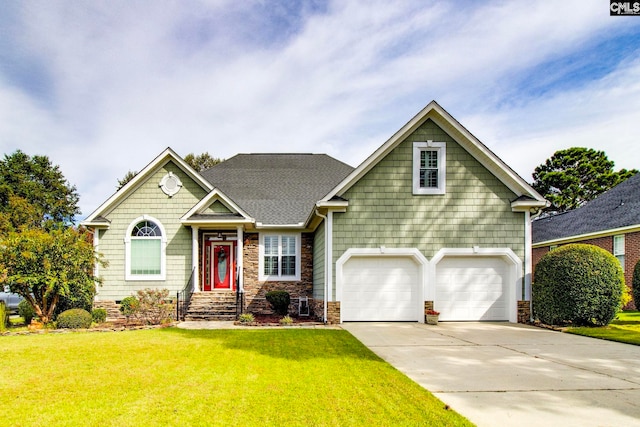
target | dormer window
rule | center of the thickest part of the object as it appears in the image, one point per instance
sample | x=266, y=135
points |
x=429, y=172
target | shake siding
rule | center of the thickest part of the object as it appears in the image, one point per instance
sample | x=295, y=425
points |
x=150, y=200
x=476, y=209
x=318, y=262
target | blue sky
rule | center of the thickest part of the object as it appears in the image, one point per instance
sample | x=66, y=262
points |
x=103, y=87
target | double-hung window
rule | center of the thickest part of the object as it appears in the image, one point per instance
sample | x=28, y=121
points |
x=618, y=248
x=279, y=257
x=429, y=161
x=145, y=245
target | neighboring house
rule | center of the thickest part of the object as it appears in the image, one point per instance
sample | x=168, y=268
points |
x=432, y=219
x=610, y=221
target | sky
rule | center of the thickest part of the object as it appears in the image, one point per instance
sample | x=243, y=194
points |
x=103, y=87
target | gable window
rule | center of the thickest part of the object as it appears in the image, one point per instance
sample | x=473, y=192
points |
x=618, y=248
x=145, y=247
x=279, y=257
x=429, y=161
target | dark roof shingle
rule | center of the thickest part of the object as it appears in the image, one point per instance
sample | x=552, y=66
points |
x=615, y=208
x=277, y=189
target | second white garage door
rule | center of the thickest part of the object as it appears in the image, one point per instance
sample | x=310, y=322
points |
x=472, y=288
x=380, y=288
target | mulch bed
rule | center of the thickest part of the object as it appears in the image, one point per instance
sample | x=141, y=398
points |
x=274, y=320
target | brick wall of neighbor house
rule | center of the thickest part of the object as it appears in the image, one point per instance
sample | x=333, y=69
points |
x=150, y=200
x=255, y=290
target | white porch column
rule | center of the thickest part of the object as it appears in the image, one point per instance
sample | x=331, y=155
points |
x=96, y=267
x=240, y=258
x=329, y=260
x=195, y=252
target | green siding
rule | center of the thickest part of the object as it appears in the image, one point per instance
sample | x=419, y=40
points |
x=218, y=207
x=148, y=199
x=476, y=209
x=318, y=262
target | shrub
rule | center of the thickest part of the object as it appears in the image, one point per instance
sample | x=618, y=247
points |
x=246, y=318
x=75, y=318
x=578, y=284
x=279, y=301
x=99, y=315
x=153, y=307
x=129, y=307
x=4, y=316
x=286, y=321
x=635, y=285
x=26, y=311
x=78, y=297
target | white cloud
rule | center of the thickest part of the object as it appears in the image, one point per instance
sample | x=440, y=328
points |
x=128, y=79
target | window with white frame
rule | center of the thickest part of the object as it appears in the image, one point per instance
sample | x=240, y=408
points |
x=145, y=248
x=429, y=172
x=279, y=257
x=618, y=248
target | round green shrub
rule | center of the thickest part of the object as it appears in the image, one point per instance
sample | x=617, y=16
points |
x=279, y=301
x=99, y=315
x=635, y=285
x=26, y=311
x=76, y=318
x=129, y=306
x=578, y=284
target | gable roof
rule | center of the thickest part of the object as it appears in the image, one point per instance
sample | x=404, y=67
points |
x=95, y=219
x=201, y=213
x=526, y=196
x=615, y=209
x=277, y=189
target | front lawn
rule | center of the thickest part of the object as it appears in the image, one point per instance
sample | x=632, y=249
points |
x=625, y=328
x=171, y=377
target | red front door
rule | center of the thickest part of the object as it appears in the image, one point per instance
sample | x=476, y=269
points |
x=219, y=265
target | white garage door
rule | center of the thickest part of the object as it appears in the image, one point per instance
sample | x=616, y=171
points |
x=380, y=288
x=472, y=288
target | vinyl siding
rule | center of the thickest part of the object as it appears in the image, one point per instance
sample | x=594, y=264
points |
x=475, y=211
x=148, y=199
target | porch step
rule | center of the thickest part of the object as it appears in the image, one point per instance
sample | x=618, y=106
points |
x=217, y=305
x=113, y=310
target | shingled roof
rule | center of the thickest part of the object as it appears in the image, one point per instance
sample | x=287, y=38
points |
x=616, y=208
x=277, y=189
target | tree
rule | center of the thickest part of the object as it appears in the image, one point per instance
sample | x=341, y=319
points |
x=572, y=177
x=46, y=265
x=201, y=162
x=40, y=184
x=126, y=178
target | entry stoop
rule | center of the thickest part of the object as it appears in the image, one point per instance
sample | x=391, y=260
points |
x=216, y=305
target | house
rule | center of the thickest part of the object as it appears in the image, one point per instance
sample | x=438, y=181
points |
x=431, y=220
x=610, y=221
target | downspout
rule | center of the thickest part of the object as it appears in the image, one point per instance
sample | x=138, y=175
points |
x=326, y=261
x=528, y=255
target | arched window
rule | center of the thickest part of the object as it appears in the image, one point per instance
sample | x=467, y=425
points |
x=145, y=247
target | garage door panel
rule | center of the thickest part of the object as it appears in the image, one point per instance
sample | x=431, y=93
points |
x=380, y=288
x=472, y=288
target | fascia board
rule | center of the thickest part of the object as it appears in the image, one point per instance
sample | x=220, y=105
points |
x=208, y=200
x=586, y=236
x=460, y=134
x=161, y=160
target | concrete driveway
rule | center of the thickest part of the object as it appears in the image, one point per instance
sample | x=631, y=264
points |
x=502, y=374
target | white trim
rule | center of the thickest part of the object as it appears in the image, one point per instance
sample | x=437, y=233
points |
x=240, y=258
x=161, y=160
x=441, y=149
x=414, y=253
x=461, y=135
x=195, y=258
x=507, y=254
x=207, y=201
x=163, y=252
x=261, y=276
x=528, y=257
x=578, y=237
x=96, y=246
x=329, y=252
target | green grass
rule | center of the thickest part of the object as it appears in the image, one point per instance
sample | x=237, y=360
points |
x=171, y=377
x=625, y=328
